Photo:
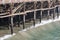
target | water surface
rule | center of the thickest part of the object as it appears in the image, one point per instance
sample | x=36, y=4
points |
x=49, y=31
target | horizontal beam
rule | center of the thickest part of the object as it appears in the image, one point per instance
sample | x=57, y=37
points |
x=3, y=14
x=26, y=12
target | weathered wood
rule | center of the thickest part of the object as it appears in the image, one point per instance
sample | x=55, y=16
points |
x=24, y=16
x=4, y=14
x=22, y=13
x=34, y=14
x=23, y=21
x=41, y=13
x=57, y=12
x=34, y=20
x=14, y=10
x=48, y=11
x=48, y=15
x=40, y=16
x=11, y=6
x=54, y=14
x=11, y=25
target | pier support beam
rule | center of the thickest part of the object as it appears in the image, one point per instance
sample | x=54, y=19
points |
x=34, y=20
x=24, y=15
x=11, y=25
x=40, y=16
x=23, y=21
x=11, y=7
x=57, y=12
x=41, y=12
x=54, y=14
x=48, y=15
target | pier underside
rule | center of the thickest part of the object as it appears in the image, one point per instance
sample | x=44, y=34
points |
x=23, y=14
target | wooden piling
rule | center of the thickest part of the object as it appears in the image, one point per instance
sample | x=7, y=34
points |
x=34, y=20
x=24, y=16
x=54, y=14
x=48, y=15
x=41, y=13
x=48, y=11
x=11, y=6
x=23, y=21
x=40, y=16
x=57, y=12
x=11, y=24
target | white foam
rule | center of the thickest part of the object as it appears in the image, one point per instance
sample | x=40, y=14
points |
x=42, y=23
x=7, y=36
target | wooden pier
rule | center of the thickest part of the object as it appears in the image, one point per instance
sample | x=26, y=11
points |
x=14, y=8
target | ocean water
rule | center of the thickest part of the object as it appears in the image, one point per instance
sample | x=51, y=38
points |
x=50, y=31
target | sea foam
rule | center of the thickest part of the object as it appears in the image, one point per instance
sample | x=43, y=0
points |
x=31, y=27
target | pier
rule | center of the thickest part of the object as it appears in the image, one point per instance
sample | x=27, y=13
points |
x=24, y=11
